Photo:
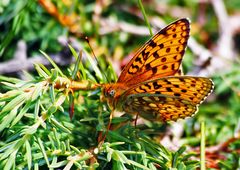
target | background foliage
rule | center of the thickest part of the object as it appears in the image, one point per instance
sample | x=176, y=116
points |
x=35, y=129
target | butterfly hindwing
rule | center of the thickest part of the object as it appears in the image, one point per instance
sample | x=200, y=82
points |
x=161, y=107
x=161, y=56
x=167, y=98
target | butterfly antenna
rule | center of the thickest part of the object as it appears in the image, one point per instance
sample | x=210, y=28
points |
x=87, y=40
x=101, y=137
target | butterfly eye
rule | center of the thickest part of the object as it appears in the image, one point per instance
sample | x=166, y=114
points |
x=112, y=93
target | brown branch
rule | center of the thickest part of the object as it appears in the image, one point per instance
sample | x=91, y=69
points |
x=65, y=83
x=224, y=46
x=216, y=153
x=108, y=26
x=21, y=62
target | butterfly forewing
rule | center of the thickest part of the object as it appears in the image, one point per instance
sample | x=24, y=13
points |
x=161, y=56
x=167, y=98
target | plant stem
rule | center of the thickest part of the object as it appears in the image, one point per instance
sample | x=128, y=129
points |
x=202, y=156
x=145, y=16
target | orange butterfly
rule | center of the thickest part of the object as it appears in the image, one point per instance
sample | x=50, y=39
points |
x=151, y=85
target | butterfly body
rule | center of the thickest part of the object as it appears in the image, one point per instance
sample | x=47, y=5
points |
x=150, y=84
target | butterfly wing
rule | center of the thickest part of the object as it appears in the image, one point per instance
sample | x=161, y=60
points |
x=167, y=98
x=161, y=56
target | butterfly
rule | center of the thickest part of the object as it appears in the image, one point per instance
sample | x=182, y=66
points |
x=151, y=84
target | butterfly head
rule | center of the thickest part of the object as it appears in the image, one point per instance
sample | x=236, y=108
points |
x=108, y=91
x=111, y=93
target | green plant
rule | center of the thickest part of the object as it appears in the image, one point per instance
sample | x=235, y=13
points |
x=36, y=131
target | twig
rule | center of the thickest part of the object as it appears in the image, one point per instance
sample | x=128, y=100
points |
x=108, y=26
x=216, y=153
x=225, y=42
x=22, y=62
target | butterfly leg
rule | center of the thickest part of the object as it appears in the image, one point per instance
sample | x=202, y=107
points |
x=135, y=121
x=71, y=104
x=102, y=137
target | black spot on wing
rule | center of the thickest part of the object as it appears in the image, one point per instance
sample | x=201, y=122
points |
x=168, y=50
x=154, y=70
x=156, y=85
x=152, y=44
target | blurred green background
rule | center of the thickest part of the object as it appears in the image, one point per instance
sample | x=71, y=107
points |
x=116, y=29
